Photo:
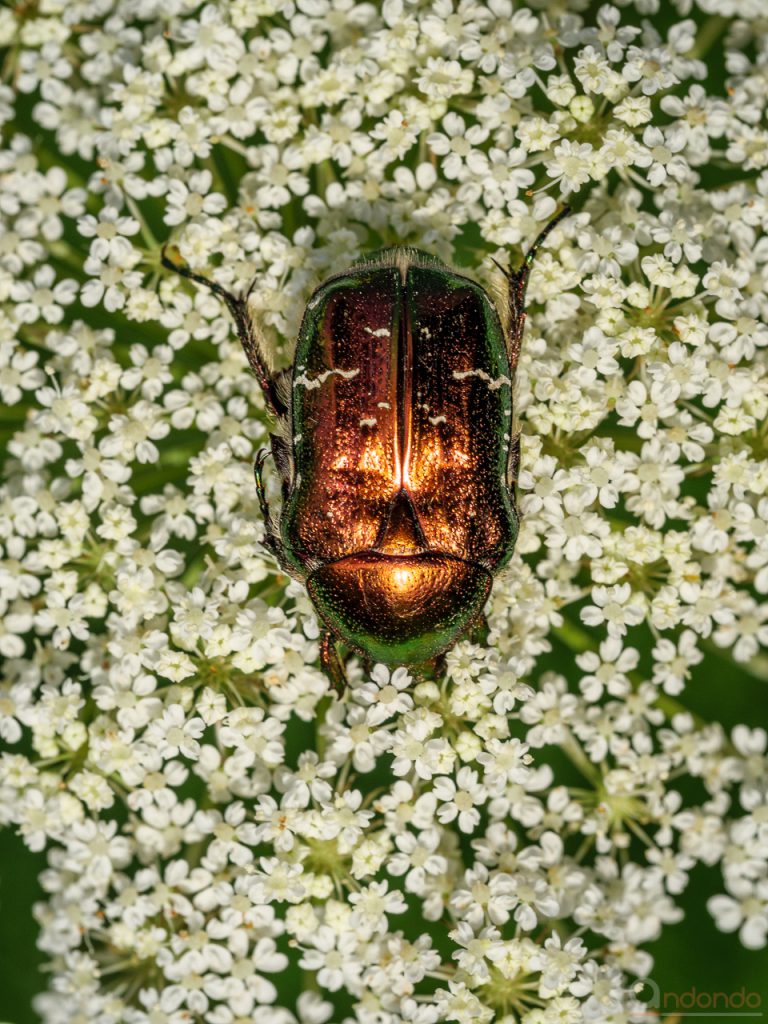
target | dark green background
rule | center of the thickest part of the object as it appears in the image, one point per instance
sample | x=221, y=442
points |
x=691, y=954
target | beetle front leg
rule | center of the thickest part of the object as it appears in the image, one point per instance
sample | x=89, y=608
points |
x=250, y=338
x=330, y=663
x=517, y=285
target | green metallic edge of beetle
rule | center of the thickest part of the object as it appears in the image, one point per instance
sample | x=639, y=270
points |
x=276, y=386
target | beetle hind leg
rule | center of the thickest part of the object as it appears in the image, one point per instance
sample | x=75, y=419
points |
x=330, y=663
x=479, y=630
x=438, y=666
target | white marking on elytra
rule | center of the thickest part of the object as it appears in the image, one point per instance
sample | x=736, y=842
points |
x=369, y=422
x=297, y=438
x=426, y=333
x=434, y=420
x=382, y=405
x=314, y=382
x=493, y=385
x=382, y=332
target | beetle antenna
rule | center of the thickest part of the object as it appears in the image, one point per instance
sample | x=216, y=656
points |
x=249, y=290
x=518, y=285
x=530, y=256
x=249, y=337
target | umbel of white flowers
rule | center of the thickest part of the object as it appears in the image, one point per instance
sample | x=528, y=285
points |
x=226, y=843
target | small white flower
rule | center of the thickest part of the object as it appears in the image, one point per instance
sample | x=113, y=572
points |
x=192, y=198
x=19, y=372
x=41, y=297
x=173, y=733
x=333, y=957
x=456, y=144
x=615, y=606
x=744, y=911
x=460, y=799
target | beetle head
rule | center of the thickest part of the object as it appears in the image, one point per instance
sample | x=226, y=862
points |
x=399, y=609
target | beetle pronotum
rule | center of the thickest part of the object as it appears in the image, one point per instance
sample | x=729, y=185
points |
x=394, y=443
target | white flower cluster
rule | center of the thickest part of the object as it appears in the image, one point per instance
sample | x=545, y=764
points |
x=496, y=844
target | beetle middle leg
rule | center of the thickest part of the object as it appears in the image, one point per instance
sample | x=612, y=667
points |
x=513, y=464
x=271, y=540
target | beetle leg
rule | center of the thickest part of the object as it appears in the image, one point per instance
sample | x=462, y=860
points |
x=271, y=540
x=517, y=282
x=330, y=663
x=247, y=332
x=513, y=463
x=479, y=630
x=438, y=665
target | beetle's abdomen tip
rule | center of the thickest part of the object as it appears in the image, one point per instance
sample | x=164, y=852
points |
x=399, y=609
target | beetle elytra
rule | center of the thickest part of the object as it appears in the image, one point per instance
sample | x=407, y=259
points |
x=395, y=445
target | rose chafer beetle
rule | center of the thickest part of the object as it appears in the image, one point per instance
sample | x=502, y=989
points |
x=395, y=445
